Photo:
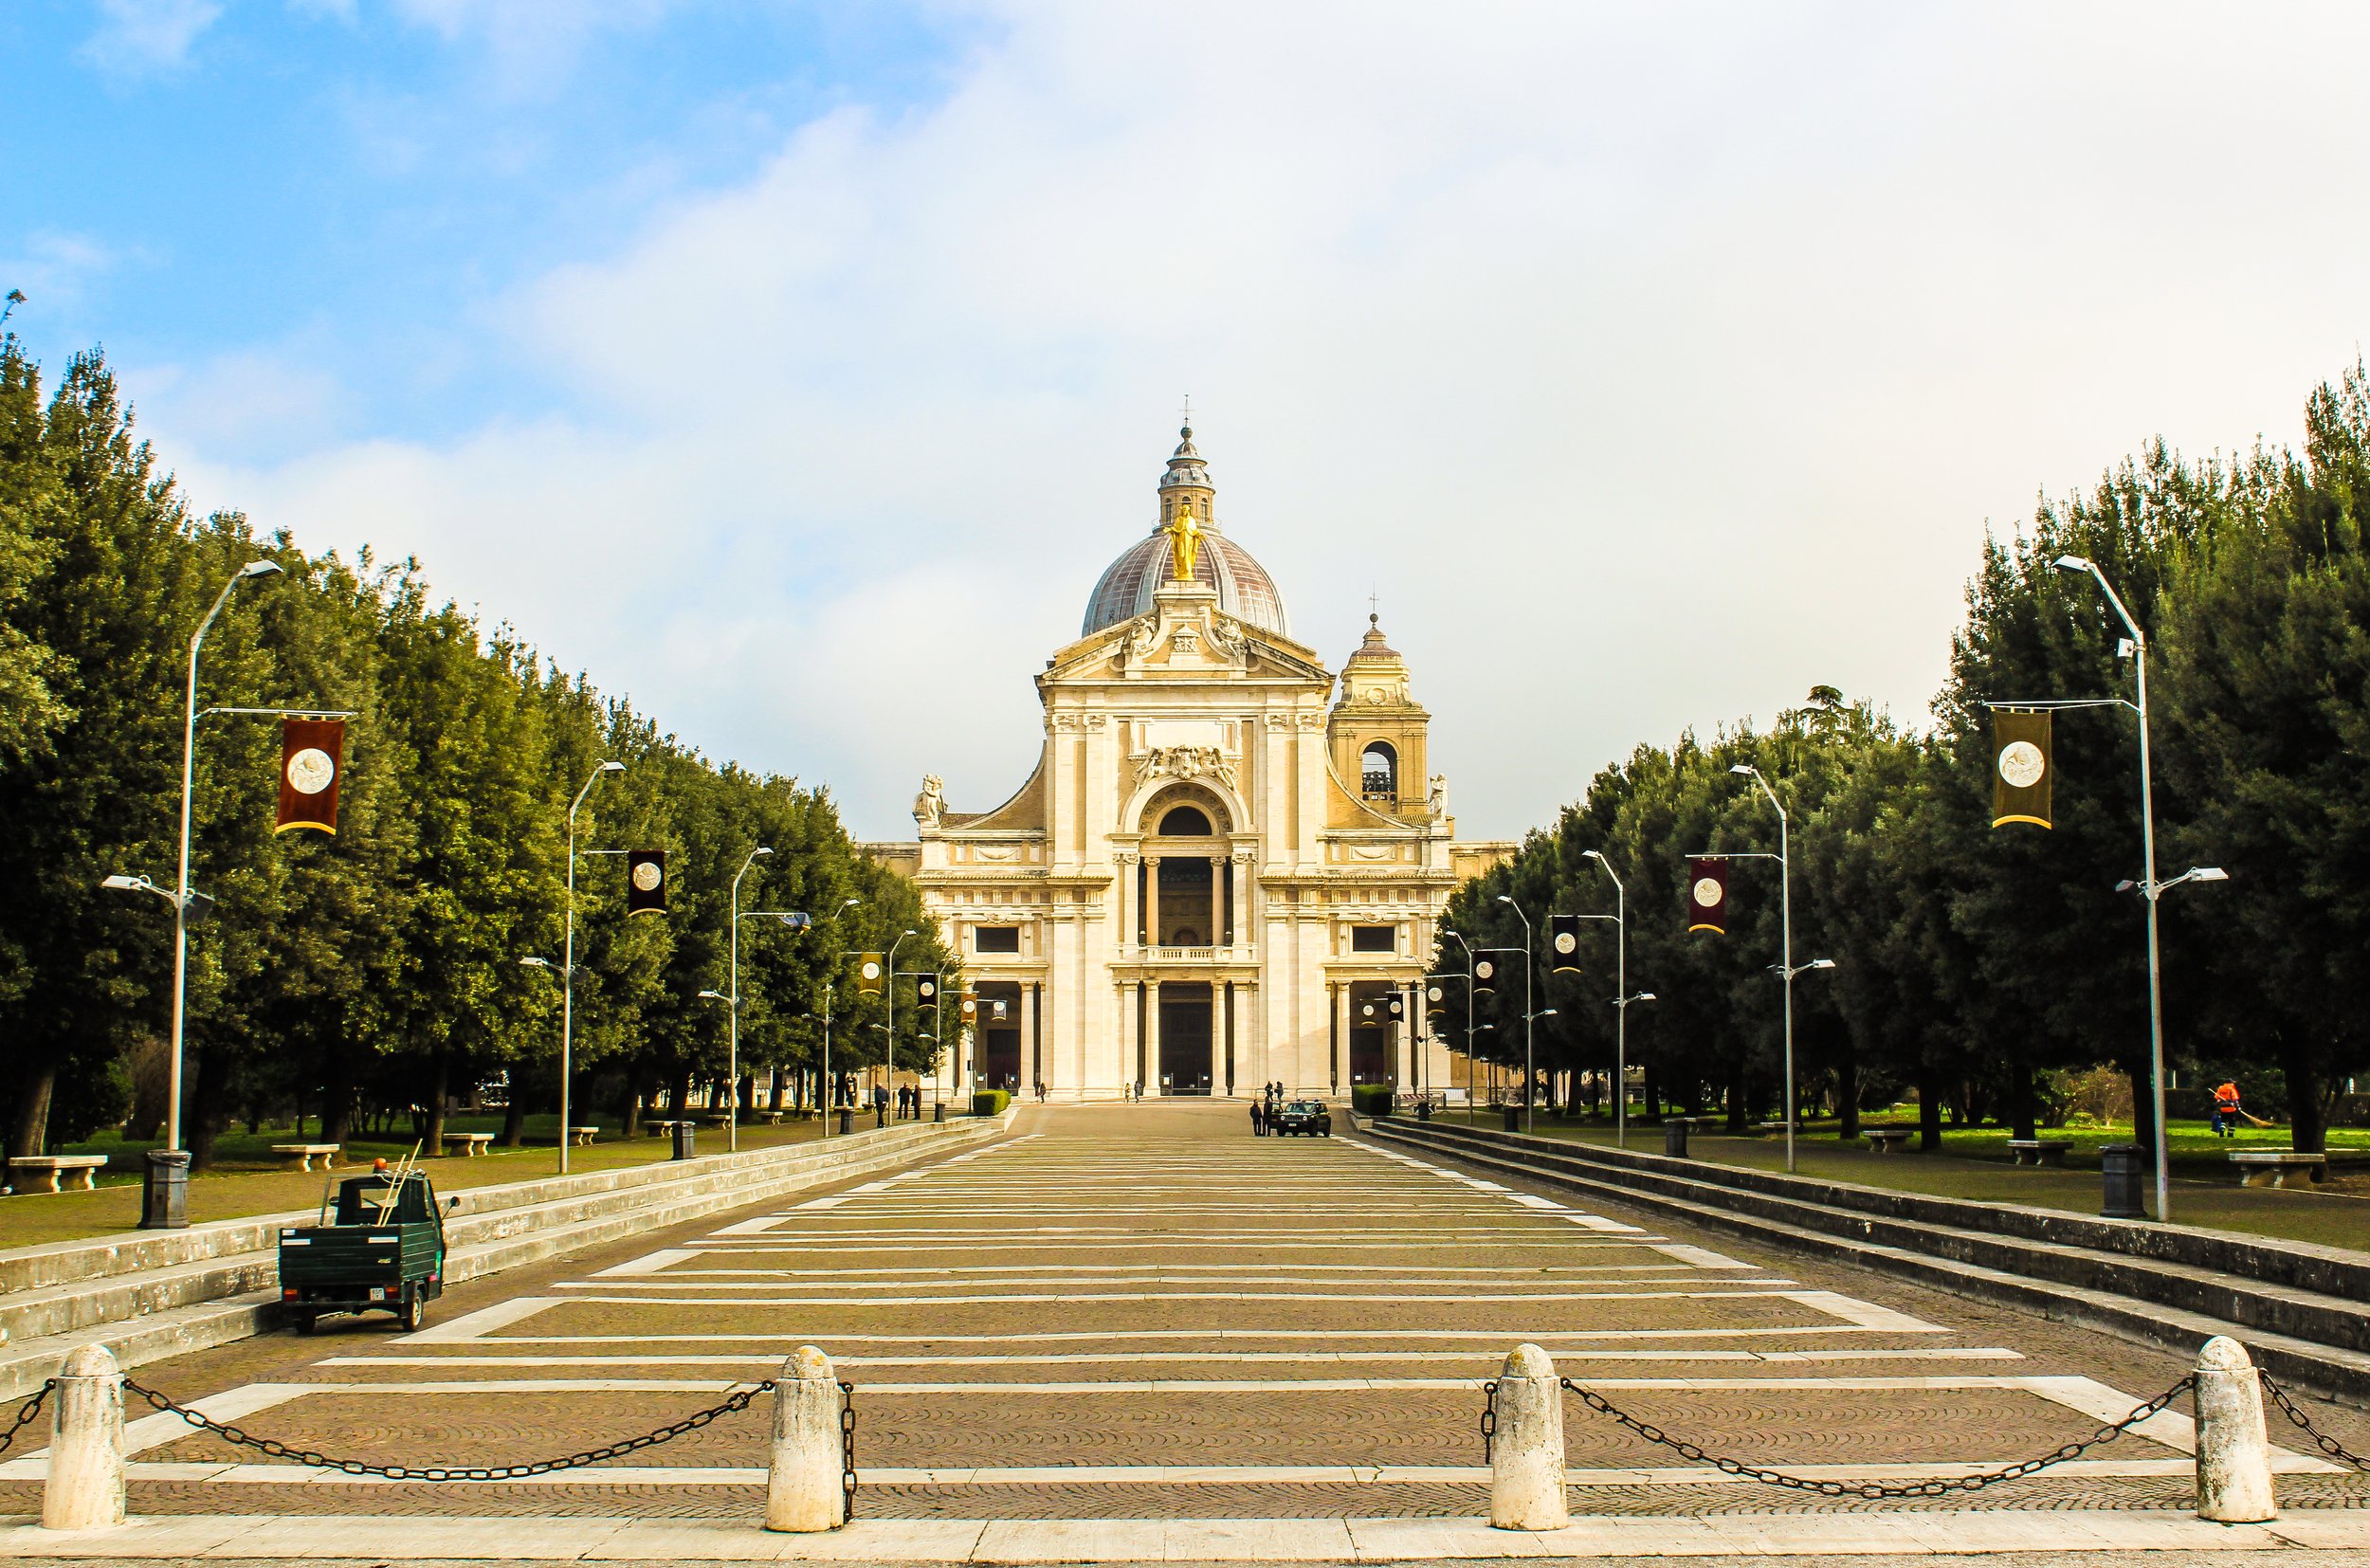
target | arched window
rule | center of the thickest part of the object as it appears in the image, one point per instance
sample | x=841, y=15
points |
x=1378, y=772
x=1185, y=822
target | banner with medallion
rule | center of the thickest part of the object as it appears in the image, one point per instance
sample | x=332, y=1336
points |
x=1564, y=944
x=870, y=974
x=925, y=991
x=1708, y=894
x=2023, y=767
x=645, y=882
x=312, y=765
x=1485, y=972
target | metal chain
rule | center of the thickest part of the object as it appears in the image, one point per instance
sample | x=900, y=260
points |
x=25, y=1414
x=2322, y=1440
x=737, y=1403
x=847, y=1448
x=1489, y=1418
x=1938, y=1487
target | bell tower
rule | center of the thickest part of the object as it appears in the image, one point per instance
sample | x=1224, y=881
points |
x=1377, y=734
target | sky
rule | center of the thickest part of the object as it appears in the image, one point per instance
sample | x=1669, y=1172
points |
x=794, y=368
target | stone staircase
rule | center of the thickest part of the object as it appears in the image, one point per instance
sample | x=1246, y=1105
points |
x=2302, y=1310
x=152, y=1294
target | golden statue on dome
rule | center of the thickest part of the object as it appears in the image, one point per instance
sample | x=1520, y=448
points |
x=1184, y=541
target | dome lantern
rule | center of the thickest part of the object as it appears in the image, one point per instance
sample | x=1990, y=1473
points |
x=1245, y=590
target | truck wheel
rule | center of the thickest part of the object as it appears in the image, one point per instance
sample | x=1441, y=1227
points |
x=412, y=1312
x=306, y=1322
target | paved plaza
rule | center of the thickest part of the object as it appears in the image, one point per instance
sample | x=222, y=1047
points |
x=1143, y=1313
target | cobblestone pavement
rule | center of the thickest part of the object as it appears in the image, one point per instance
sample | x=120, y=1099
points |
x=1144, y=1312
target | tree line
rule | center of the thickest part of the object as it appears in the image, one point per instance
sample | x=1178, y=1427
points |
x=380, y=966
x=1976, y=967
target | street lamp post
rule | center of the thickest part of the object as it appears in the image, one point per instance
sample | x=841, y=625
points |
x=1621, y=999
x=888, y=992
x=1785, y=940
x=568, y=965
x=1529, y=1059
x=154, y=1206
x=2148, y=885
x=1452, y=931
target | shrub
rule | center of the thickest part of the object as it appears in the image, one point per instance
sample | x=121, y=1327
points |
x=1371, y=1099
x=991, y=1102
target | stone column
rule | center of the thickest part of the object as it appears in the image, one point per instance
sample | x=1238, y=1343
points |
x=1239, y=868
x=1124, y=914
x=2233, y=1455
x=1526, y=1463
x=1221, y=928
x=85, y=1486
x=803, y=1490
x=1150, y=1074
x=1152, y=900
x=1034, y=1072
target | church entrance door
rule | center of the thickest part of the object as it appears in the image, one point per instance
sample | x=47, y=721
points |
x=1185, y=1037
x=999, y=1058
x=1370, y=1058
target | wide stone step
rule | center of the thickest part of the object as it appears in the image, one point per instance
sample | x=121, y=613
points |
x=2137, y=1298
x=508, y=1235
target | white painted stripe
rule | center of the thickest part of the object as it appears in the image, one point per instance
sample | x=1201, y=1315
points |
x=1548, y=1339
x=1515, y=1286
x=1072, y=1297
x=1491, y=1351
x=1697, y=1257
x=476, y=1326
x=1181, y=1270
x=1866, y=1314
x=650, y=1262
x=255, y=1396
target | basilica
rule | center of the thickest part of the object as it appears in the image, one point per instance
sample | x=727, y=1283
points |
x=1229, y=864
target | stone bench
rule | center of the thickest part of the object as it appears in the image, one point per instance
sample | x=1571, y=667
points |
x=1888, y=1141
x=80, y=1172
x=772, y=1119
x=2039, y=1151
x=304, y=1154
x=2270, y=1167
x=1776, y=1129
x=583, y=1136
x=472, y=1144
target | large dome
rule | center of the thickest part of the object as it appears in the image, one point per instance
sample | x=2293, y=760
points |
x=1245, y=590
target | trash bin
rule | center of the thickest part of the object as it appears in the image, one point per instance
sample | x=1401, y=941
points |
x=685, y=1138
x=938, y=1112
x=1423, y=1109
x=2123, y=1167
x=847, y=1121
x=165, y=1194
x=1674, y=1137
x=1514, y=1118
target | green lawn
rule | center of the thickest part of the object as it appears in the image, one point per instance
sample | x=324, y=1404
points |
x=1974, y=1164
x=249, y=1179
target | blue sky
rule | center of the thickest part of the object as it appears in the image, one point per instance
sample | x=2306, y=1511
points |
x=786, y=365
x=367, y=179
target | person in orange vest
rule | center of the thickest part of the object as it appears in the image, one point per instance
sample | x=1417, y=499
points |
x=2226, y=1111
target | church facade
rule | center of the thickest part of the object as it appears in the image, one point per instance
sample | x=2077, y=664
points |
x=1229, y=865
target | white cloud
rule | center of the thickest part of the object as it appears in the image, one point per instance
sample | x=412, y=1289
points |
x=532, y=45
x=141, y=38
x=1654, y=364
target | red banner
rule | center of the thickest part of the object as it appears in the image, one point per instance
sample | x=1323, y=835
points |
x=312, y=766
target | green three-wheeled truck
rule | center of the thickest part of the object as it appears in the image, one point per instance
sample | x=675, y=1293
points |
x=384, y=1254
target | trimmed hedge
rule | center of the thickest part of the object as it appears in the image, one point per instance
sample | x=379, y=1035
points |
x=1371, y=1099
x=991, y=1102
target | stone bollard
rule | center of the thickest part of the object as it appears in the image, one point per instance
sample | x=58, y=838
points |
x=803, y=1485
x=1526, y=1461
x=85, y=1486
x=2233, y=1455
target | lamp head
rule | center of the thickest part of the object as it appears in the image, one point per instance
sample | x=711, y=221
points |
x=1746, y=768
x=612, y=767
x=1506, y=898
x=1821, y=963
x=909, y=931
x=715, y=997
x=1645, y=996
x=2071, y=564
x=535, y=963
x=2126, y=886
x=1547, y=1013
x=1591, y=854
x=122, y=884
x=259, y=568
x=2209, y=873
x=760, y=850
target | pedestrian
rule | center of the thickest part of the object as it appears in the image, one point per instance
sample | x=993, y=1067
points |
x=1258, y=1118
x=2226, y=1111
x=880, y=1105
